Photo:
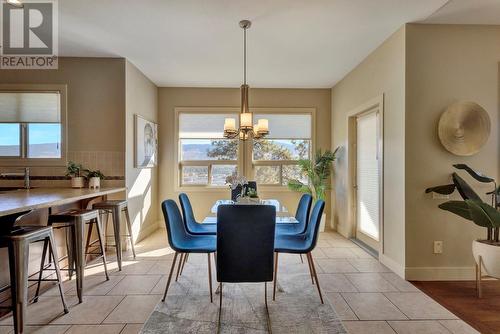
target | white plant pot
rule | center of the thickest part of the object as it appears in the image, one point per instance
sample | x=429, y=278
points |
x=77, y=182
x=490, y=256
x=95, y=183
x=322, y=223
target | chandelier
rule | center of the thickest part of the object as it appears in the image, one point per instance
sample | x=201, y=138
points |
x=246, y=129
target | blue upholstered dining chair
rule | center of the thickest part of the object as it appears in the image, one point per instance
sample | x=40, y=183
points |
x=183, y=242
x=245, y=246
x=302, y=216
x=302, y=243
x=192, y=226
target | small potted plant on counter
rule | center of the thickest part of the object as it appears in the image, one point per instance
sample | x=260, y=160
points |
x=94, y=177
x=318, y=173
x=74, y=171
x=486, y=251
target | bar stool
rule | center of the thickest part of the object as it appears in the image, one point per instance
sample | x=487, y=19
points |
x=115, y=208
x=18, y=240
x=76, y=220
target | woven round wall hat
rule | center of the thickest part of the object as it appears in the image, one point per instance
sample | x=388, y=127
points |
x=464, y=128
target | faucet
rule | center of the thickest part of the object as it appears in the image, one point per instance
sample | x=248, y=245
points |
x=26, y=175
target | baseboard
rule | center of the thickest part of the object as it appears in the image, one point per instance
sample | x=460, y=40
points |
x=440, y=273
x=146, y=232
x=393, y=265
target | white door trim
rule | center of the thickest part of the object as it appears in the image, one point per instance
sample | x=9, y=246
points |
x=377, y=102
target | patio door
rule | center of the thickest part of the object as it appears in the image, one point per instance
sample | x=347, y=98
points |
x=367, y=178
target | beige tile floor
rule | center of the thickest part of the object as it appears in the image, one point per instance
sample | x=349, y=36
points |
x=366, y=295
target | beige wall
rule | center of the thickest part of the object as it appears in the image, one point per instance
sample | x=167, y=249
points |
x=95, y=110
x=382, y=72
x=169, y=98
x=445, y=64
x=142, y=184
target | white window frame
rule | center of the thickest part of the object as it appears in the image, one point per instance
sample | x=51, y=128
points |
x=245, y=163
x=201, y=163
x=281, y=163
x=23, y=160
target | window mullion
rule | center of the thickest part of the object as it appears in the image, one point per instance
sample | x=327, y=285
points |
x=209, y=174
x=24, y=140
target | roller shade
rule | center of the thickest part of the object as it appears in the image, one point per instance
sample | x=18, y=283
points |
x=287, y=126
x=203, y=126
x=30, y=107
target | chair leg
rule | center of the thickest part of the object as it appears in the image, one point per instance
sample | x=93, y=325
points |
x=183, y=263
x=315, y=276
x=301, y=259
x=310, y=270
x=101, y=245
x=220, y=308
x=79, y=251
x=179, y=266
x=18, y=265
x=210, y=277
x=104, y=215
x=116, y=216
x=275, y=274
x=129, y=226
x=53, y=248
x=170, y=277
x=269, y=328
x=89, y=236
x=40, y=274
x=69, y=250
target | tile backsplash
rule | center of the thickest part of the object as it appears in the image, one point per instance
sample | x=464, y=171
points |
x=110, y=163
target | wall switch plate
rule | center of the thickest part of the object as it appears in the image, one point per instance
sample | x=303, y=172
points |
x=438, y=247
x=440, y=196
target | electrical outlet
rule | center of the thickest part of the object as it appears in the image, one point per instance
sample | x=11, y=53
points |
x=438, y=247
x=440, y=196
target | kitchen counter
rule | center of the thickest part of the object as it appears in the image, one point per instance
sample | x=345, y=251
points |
x=21, y=200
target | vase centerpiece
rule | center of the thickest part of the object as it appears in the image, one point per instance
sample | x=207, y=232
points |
x=241, y=191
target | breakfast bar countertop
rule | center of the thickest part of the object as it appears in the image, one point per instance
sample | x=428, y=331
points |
x=38, y=198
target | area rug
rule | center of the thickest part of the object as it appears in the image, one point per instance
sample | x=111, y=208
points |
x=188, y=309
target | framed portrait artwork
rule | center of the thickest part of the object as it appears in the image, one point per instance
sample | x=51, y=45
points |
x=146, y=143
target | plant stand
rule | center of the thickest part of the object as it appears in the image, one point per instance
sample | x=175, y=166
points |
x=479, y=276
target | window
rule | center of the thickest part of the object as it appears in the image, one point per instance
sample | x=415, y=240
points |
x=275, y=158
x=31, y=126
x=205, y=156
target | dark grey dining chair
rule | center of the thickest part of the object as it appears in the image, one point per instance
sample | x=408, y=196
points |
x=245, y=247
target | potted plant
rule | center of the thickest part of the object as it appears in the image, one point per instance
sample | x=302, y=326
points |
x=94, y=177
x=318, y=173
x=487, y=215
x=74, y=171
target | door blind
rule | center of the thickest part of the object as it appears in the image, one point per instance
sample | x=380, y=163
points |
x=367, y=175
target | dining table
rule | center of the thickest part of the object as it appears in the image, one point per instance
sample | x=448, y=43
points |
x=283, y=216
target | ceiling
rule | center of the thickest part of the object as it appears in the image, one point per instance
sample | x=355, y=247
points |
x=467, y=12
x=198, y=43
